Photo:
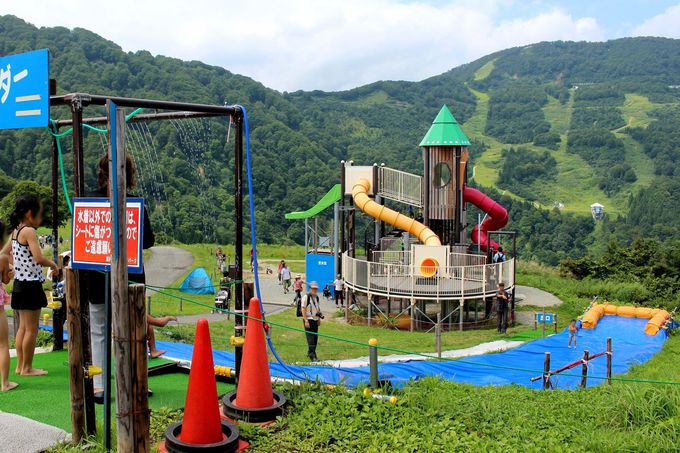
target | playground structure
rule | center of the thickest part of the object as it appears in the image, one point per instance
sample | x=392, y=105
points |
x=418, y=269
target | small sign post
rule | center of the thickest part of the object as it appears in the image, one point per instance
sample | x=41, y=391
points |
x=25, y=90
x=91, y=235
x=544, y=318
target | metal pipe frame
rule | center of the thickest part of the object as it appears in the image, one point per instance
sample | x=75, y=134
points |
x=76, y=102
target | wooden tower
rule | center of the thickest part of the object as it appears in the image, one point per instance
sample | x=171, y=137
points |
x=445, y=154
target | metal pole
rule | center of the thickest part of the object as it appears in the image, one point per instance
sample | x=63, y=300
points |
x=373, y=361
x=342, y=226
x=546, y=371
x=584, y=370
x=238, y=242
x=306, y=236
x=460, y=317
x=58, y=321
x=107, y=365
x=458, y=213
x=336, y=228
x=438, y=336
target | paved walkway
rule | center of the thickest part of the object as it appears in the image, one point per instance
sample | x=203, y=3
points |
x=23, y=435
x=483, y=348
x=166, y=265
x=532, y=297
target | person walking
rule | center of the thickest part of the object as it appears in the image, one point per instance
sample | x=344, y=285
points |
x=312, y=316
x=281, y=264
x=286, y=278
x=502, y=303
x=298, y=285
x=338, y=291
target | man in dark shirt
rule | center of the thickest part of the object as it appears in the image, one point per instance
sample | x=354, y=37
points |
x=502, y=303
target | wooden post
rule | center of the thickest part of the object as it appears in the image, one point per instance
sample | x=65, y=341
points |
x=139, y=368
x=584, y=370
x=148, y=299
x=535, y=321
x=609, y=361
x=129, y=314
x=546, y=371
x=543, y=323
x=438, y=336
x=75, y=357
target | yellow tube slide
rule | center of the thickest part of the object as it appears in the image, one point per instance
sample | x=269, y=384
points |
x=425, y=235
x=656, y=316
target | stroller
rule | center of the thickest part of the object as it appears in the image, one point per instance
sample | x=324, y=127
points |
x=223, y=296
x=327, y=292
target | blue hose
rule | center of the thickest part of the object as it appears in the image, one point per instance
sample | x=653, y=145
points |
x=253, y=240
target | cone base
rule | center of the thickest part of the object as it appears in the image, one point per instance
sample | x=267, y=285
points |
x=259, y=415
x=229, y=444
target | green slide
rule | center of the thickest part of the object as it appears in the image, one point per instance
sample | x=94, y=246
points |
x=326, y=201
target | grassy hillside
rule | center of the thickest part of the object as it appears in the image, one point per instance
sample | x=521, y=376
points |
x=577, y=101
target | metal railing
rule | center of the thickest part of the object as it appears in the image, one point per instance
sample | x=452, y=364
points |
x=451, y=282
x=400, y=186
x=404, y=258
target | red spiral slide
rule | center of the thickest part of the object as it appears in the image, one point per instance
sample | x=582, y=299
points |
x=498, y=216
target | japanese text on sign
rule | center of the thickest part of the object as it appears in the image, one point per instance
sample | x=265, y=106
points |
x=92, y=234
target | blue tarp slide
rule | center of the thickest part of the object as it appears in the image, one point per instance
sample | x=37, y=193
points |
x=630, y=345
x=197, y=282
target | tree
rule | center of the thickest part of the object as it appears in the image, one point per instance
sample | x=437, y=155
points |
x=45, y=195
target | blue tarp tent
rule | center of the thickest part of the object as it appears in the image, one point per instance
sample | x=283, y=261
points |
x=197, y=282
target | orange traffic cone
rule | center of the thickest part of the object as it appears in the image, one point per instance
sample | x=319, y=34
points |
x=201, y=426
x=254, y=399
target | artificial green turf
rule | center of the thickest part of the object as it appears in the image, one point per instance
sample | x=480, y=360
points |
x=46, y=398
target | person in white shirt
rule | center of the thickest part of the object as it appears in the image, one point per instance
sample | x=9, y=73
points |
x=286, y=278
x=312, y=316
x=339, y=291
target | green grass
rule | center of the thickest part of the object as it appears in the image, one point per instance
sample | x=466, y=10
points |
x=558, y=114
x=636, y=110
x=575, y=185
x=484, y=72
x=46, y=398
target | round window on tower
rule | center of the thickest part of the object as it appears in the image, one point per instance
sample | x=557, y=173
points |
x=442, y=175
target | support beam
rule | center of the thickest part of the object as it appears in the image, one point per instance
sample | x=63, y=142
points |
x=75, y=357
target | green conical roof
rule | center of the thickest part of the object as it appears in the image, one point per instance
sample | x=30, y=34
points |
x=445, y=131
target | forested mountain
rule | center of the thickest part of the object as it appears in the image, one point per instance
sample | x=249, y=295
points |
x=553, y=124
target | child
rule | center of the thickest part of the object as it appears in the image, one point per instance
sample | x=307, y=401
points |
x=572, y=333
x=151, y=338
x=28, y=296
x=6, y=275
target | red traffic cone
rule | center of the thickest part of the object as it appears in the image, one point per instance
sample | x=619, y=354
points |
x=254, y=400
x=201, y=424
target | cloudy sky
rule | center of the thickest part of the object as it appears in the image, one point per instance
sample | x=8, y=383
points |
x=333, y=45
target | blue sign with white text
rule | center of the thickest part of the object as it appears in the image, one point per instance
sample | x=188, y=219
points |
x=547, y=318
x=25, y=90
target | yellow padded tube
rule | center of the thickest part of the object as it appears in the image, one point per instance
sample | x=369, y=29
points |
x=387, y=215
x=429, y=266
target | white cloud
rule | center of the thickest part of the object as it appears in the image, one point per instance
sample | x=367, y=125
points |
x=665, y=24
x=313, y=44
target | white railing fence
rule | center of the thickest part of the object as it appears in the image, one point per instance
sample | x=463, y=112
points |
x=400, y=280
x=400, y=186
